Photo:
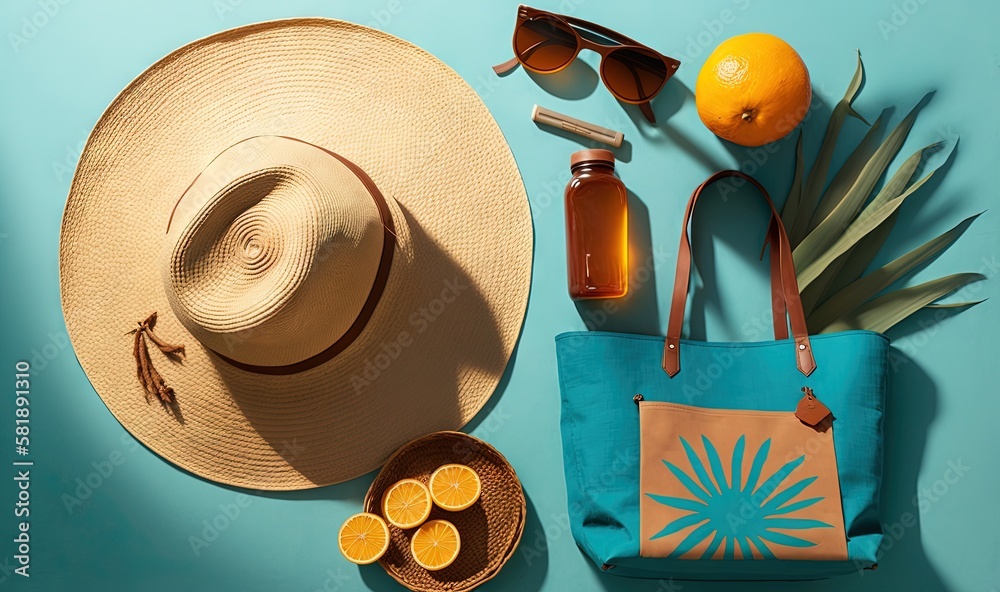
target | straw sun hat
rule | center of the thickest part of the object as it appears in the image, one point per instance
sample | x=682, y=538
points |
x=330, y=223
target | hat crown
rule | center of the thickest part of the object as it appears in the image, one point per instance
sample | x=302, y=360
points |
x=272, y=252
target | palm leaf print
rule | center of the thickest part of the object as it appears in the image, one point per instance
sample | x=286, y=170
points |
x=729, y=513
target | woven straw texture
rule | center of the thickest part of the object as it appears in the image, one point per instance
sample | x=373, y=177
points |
x=489, y=530
x=436, y=345
x=242, y=262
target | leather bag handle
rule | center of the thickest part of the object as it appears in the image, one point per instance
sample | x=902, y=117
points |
x=778, y=308
x=783, y=281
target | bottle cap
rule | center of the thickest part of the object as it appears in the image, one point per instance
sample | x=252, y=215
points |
x=596, y=155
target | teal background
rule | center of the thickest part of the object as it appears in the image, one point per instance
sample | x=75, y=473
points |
x=132, y=531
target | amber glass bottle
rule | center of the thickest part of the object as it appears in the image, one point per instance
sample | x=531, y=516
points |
x=596, y=227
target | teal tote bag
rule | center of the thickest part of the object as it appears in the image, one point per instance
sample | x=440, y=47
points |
x=725, y=461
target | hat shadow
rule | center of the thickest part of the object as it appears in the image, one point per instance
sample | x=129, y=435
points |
x=430, y=321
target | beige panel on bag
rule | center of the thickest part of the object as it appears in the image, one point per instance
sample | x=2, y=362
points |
x=730, y=484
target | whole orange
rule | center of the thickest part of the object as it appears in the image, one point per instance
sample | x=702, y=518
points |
x=753, y=89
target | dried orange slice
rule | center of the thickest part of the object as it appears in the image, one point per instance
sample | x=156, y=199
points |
x=435, y=545
x=455, y=487
x=363, y=538
x=406, y=503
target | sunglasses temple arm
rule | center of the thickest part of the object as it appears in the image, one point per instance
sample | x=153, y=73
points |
x=512, y=63
x=505, y=67
x=647, y=111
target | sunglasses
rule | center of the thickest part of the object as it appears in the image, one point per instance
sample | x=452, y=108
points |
x=546, y=42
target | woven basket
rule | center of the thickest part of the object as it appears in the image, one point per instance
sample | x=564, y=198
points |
x=490, y=530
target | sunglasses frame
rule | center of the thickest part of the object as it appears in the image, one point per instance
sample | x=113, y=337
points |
x=527, y=13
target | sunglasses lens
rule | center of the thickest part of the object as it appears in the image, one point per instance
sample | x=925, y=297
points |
x=634, y=74
x=545, y=45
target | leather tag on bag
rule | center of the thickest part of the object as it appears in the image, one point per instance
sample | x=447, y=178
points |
x=811, y=411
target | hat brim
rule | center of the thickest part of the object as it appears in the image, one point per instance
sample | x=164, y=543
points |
x=436, y=346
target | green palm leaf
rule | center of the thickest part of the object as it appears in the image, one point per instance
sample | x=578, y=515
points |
x=826, y=229
x=857, y=259
x=841, y=184
x=848, y=175
x=837, y=233
x=885, y=311
x=843, y=206
x=806, y=205
x=869, y=219
x=862, y=290
x=955, y=304
x=791, y=208
x=856, y=194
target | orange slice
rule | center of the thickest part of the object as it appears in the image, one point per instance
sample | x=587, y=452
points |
x=455, y=487
x=435, y=545
x=363, y=538
x=406, y=504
